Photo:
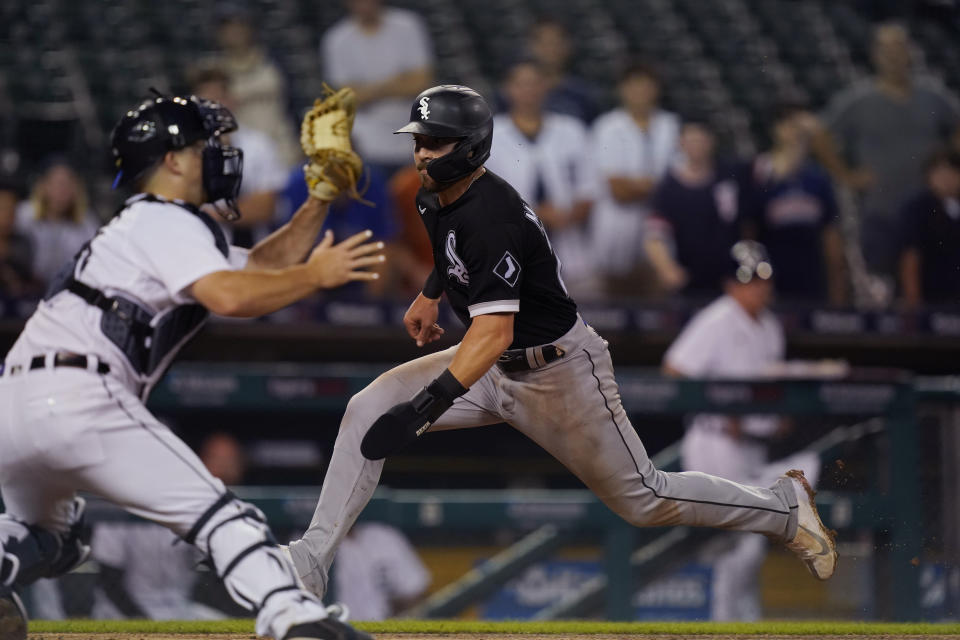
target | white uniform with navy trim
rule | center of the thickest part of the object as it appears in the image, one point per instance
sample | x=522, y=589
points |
x=724, y=341
x=150, y=253
x=65, y=429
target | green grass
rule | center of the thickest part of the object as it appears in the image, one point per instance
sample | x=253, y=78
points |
x=476, y=626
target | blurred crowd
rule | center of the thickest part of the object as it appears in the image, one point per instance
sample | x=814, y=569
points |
x=857, y=200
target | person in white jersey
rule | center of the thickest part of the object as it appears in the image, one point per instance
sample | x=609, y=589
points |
x=632, y=146
x=377, y=573
x=544, y=156
x=736, y=336
x=73, y=387
x=385, y=54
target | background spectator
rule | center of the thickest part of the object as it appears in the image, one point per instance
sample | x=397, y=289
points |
x=566, y=93
x=792, y=210
x=880, y=131
x=930, y=233
x=545, y=156
x=632, y=147
x=347, y=217
x=385, y=54
x=16, y=251
x=57, y=218
x=257, y=85
x=695, y=217
x=416, y=263
x=376, y=573
x=736, y=336
x=223, y=456
x=264, y=173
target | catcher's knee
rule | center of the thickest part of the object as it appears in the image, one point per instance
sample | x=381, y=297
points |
x=230, y=532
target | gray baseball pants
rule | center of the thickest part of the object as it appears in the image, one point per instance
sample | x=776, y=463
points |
x=570, y=407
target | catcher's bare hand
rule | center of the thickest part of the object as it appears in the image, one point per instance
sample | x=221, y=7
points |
x=333, y=265
x=421, y=320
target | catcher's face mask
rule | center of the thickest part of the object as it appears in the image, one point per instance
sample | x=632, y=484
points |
x=222, y=175
x=222, y=165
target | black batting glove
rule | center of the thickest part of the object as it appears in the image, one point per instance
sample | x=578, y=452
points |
x=405, y=422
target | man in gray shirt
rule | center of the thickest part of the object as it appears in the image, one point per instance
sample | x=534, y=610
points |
x=880, y=132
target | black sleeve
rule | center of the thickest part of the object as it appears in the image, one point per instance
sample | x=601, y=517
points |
x=492, y=255
x=433, y=288
x=111, y=581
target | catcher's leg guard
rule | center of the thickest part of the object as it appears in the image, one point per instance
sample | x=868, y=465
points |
x=26, y=553
x=242, y=551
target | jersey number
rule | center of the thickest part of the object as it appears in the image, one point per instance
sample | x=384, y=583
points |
x=532, y=217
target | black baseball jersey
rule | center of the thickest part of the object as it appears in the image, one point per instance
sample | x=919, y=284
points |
x=491, y=254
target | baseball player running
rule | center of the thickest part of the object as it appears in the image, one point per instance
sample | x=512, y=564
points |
x=72, y=390
x=527, y=359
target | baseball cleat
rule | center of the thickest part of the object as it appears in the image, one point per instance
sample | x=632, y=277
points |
x=13, y=618
x=285, y=550
x=329, y=629
x=814, y=544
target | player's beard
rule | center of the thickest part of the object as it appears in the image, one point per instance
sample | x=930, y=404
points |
x=428, y=183
x=433, y=186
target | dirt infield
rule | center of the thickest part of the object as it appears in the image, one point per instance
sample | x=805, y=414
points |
x=487, y=636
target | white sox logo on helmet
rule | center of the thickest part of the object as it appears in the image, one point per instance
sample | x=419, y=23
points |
x=424, y=108
x=456, y=269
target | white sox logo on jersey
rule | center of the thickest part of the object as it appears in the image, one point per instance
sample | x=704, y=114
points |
x=456, y=269
x=508, y=269
x=424, y=108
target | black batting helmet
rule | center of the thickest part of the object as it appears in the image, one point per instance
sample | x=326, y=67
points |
x=146, y=133
x=453, y=111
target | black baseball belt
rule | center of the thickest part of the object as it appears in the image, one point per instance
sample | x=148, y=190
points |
x=528, y=359
x=60, y=359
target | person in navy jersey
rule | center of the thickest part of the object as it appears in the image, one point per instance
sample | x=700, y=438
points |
x=792, y=210
x=930, y=235
x=695, y=217
x=347, y=217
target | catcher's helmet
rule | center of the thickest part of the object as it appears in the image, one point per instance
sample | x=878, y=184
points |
x=146, y=133
x=453, y=111
x=749, y=260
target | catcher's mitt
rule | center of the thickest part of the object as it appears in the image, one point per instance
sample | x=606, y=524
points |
x=333, y=166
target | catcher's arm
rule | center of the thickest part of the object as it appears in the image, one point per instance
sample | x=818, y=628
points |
x=249, y=293
x=291, y=243
x=332, y=168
